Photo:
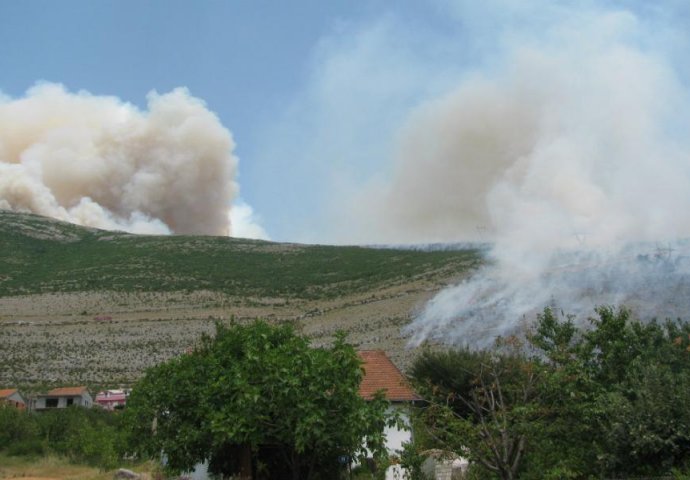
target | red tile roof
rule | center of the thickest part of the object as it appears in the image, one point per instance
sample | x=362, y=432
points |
x=7, y=392
x=381, y=374
x=67, y=391
x=5, y=398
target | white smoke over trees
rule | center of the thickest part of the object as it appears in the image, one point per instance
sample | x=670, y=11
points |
x=100, y=162
x=573, y=157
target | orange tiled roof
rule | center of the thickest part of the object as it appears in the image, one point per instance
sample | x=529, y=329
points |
x=381, y=374
x=66, y=391
x=7, y=392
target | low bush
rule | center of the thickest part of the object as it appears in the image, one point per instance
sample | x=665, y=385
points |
x=80, y=435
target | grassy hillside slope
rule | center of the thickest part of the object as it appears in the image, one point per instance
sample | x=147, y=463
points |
x=39, y=255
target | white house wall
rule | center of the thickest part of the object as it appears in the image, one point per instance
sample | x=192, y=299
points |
x=41, y=402
x=395, y=437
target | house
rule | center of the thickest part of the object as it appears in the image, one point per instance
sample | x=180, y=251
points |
x=381, y=374
x=112, y=399
x=12, y=397
x=62, y=398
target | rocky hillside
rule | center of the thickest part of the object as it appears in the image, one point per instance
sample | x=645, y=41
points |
x=81, y=305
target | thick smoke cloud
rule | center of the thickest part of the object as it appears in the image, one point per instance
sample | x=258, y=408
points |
x=572, y=159
x=99, y=162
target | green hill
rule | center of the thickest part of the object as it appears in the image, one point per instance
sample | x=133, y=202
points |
x=40, y=255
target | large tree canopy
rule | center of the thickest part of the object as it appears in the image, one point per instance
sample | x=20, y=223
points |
x=258, y=390
x=610, y=400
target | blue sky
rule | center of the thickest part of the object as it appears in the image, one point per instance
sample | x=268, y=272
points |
x=247, y=60
x=316, y=93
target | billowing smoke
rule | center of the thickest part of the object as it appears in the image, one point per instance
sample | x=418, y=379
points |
x=99, y=162
x=573, y=159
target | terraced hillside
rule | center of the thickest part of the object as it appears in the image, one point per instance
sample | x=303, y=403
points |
x=82, y=305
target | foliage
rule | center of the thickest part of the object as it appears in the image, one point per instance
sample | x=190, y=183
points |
x=442, y=374
x=411, y=459
x=78, y=434
x=605, y=401
x=487, y=408
x=19, y=433
x=626, y=384
x=262, y=388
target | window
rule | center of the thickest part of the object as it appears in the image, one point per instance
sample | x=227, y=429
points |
x=51, y=402
x=70, y=401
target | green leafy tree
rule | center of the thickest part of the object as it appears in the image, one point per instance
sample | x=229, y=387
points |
x=258, y=395
x=619, y=393
x=607, y=400
x=481, y=404
x=561, y=445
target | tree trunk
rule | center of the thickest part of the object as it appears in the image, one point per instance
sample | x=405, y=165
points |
x=296, y=465
x=246, y=462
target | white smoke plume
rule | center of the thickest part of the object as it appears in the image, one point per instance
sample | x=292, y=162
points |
x=100, y=162
x=573, y=158
x=245, y=223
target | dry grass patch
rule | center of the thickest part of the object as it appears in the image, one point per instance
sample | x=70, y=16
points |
x=55, y=468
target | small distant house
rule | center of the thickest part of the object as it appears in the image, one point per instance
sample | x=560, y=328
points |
x=381, y=374
x=12, y=397
x=62, y=398
x=112, y=399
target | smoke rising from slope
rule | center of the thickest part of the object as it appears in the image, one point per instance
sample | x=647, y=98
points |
x=572, y=159
x=99, y=162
